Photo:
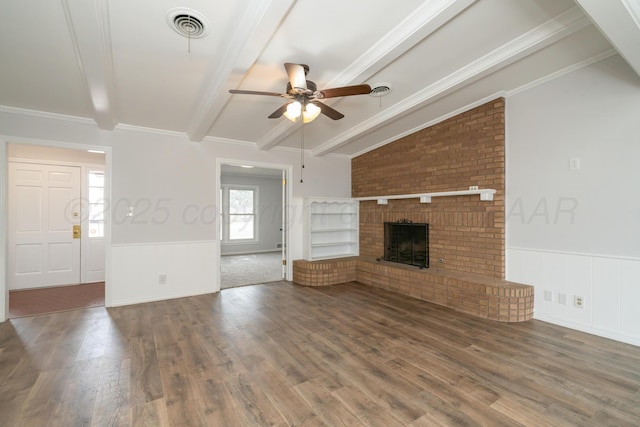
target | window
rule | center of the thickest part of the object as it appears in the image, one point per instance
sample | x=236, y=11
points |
x=96, y=204
x=241, y=221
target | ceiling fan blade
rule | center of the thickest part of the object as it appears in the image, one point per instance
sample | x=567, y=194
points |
x=345, y=91
x=328, y=111
x=297, y=75
x=279, y=112
x=255, y=92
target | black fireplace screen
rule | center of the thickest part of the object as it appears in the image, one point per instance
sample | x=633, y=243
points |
x=407, y=243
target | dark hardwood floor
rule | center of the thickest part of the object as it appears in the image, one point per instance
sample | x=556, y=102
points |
x=281, y=354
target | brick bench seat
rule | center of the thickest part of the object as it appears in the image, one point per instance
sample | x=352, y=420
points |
x=481, y=296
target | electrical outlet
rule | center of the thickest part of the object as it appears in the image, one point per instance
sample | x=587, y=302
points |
x=162, y=279
x=578, y=301
x=473, y=188
x=548, y=296
x=441, y=260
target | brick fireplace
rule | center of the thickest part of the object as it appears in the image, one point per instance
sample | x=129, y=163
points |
x=463, y=151
x=466, y=235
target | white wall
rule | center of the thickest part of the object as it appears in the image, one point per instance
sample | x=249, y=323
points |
x=4, y=292
x=152, y=172
x=577, y=232
x=189, y=267
x=172, y=185
x=269, y=214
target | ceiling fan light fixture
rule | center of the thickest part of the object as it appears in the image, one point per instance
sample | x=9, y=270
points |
x=311, y=112
x=294, y=110
x=305, y=96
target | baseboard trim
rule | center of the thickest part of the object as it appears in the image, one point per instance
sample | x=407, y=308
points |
x=160, y=298
x=263, y=251
x=590, y=330
x=186, y=242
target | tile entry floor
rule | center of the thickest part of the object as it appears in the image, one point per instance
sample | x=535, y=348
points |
x=32, y=302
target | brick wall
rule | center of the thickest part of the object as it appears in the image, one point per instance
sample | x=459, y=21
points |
x=465, y=150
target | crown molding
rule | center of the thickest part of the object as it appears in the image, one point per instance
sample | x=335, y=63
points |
x=499, y=94
x=133, y=128
x=619, y=22
x=164, y=132
x=504, y=94
x=567, y=70
x=634, y=9
x=545, y=34
x=5, y=109
x=425, y=20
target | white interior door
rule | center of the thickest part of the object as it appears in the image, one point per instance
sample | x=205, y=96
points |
x=43, y=210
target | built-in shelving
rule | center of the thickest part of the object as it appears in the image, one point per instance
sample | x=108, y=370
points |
x=485, y=195
x=331, y=225
x=331, y=228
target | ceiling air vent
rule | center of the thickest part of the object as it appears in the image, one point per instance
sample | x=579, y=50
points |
x=188, y=22
x=380, y=89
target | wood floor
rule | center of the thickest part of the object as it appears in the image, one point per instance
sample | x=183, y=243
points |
x=281, y=354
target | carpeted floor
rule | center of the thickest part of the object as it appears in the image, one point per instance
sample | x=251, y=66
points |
x=32, y=302
x=250, y=269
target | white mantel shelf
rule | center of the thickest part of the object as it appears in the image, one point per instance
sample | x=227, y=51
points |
x=486, y=195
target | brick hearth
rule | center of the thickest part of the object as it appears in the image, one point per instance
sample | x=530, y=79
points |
x=473, y=294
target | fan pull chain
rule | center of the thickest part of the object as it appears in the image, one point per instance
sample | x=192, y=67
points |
x=302, y=152
x=189, y=37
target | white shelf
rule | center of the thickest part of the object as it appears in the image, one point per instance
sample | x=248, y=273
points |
x=329, y=244
x=485, y=195
x=331, y=228
x=333, y=213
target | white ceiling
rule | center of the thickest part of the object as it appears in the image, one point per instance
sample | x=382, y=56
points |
x=119, y=64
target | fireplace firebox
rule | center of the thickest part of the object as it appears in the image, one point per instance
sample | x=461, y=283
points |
x=406, y=242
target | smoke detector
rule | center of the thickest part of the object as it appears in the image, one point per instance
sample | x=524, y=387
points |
x=188, y=22
x=380, y=89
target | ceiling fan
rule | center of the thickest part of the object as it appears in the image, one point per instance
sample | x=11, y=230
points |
x=305, y=96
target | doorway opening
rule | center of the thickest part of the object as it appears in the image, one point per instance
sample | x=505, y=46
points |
x=253, y=232
x=56, y=234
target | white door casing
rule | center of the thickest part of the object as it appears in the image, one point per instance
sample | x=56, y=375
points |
x=44, y=205
x=92, y=265
x=283, y=228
